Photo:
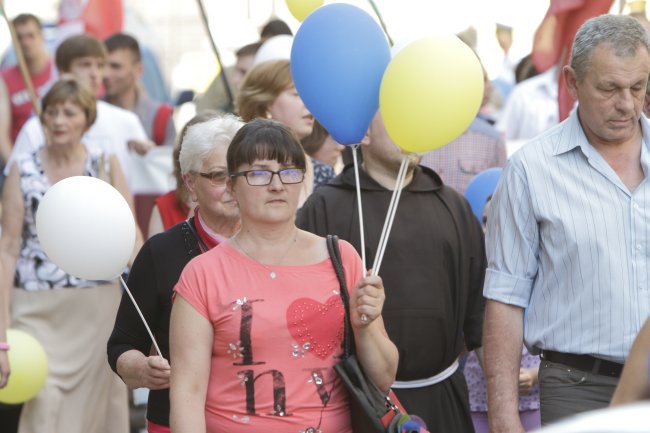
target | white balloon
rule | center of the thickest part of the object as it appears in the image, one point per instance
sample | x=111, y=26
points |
x=275, y=48
x=86, y=228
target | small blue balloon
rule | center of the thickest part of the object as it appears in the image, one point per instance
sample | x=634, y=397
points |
x=480, y=188
x=338, y=58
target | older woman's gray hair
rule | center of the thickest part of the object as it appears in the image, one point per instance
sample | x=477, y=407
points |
x=202, y=139
x=622, y=33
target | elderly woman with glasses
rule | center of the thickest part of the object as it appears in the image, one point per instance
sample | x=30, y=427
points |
x=159, y=264
x=257, y=322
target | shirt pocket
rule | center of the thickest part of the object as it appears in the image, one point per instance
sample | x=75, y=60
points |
x=472, y=166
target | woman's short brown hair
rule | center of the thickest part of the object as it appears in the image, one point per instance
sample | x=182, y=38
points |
x=69, y=89
x=262, y=85
x=264, y=139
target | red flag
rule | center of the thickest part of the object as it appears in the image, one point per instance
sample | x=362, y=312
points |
x=100, y=18
x=554, y=39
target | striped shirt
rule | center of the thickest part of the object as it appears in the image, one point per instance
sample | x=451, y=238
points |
x=568, y=241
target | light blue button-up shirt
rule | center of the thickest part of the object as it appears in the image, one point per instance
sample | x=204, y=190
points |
x=568, y=241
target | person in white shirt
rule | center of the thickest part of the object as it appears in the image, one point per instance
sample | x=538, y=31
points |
x=567, y=243
x=531, y=109
x=83, y=56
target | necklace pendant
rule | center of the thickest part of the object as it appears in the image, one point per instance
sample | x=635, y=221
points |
x=273, y=275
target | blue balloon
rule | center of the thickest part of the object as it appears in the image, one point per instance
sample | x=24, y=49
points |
x=338, y=58
x=480, y=188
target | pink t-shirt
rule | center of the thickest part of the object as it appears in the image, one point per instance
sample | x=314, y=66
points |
x=275, y=341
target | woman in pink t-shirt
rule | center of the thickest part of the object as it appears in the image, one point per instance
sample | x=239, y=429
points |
x=257, y=325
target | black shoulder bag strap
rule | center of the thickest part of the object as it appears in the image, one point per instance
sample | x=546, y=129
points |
x=335, y=256
x=192, y=247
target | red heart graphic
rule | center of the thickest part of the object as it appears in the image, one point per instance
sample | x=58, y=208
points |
x=317, y=327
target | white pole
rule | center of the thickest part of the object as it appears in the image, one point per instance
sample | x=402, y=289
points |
x=135, y=304
x=391, y=215
x=361, y=229
x=383, y=238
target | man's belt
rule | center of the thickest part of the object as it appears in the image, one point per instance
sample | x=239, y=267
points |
x=586, y=363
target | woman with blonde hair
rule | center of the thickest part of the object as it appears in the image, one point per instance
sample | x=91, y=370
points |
x=268, y=92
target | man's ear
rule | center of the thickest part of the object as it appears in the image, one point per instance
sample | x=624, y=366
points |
x=571, y=81
x=139, y=69
x=646, y=105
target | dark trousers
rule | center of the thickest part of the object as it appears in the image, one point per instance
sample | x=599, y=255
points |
x=565, y=391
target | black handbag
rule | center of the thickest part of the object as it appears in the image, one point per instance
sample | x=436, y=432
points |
x=372, y=411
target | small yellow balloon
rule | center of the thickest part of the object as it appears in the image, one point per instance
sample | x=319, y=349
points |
x=301, y=8
x=430, y=93
x=28, y=364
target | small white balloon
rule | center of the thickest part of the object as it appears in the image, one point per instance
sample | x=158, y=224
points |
x=86, y=227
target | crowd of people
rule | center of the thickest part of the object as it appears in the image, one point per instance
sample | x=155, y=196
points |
x=535, y=315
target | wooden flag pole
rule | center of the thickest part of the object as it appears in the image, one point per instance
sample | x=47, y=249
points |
x=222, y=72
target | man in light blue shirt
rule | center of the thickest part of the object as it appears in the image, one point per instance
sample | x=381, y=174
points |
x=569, y=235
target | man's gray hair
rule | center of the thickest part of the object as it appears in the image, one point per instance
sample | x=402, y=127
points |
x=623, y=33
x=203, y=138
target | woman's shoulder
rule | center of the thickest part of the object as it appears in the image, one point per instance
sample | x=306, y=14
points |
x=349, y=255
x=167, y=238
x=97, y=162
x=347, y=249
x=223, y=252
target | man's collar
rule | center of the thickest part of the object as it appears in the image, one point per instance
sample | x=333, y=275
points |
x=574, y=135
x=571, y=136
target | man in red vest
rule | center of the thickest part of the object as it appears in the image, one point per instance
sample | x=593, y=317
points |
x=15, y=102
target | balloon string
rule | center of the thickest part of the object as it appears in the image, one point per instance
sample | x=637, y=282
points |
x=391, y=215
x=135, y=304
x=383, y=237
x=361, y=230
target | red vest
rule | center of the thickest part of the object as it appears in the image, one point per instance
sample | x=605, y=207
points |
x=170, y=213
x=21, y=106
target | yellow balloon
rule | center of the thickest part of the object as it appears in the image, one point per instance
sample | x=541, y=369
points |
x=28, y=364
x=430, y=93
x=301, y=8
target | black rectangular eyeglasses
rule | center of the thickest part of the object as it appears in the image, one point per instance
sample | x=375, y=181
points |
x=264, y=177
x=216, y=178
